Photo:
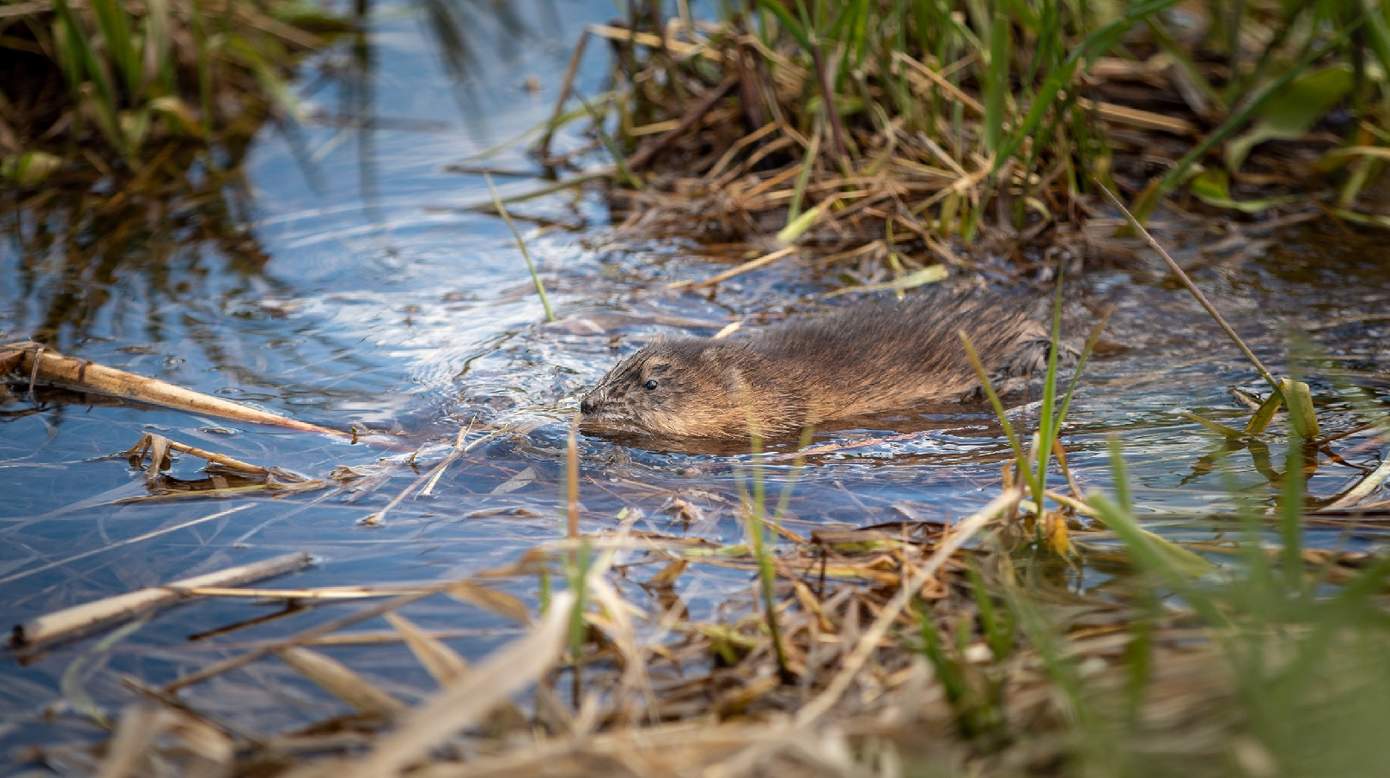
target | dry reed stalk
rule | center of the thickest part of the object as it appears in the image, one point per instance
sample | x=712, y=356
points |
x=644, y=155
x=1192, y=288
x=241, y=660
x=80, y=619
x=653, y=41
x=1363, y=488
x=566, y=86
x=337, y=679
x=42, y=365
x=156, y=444
x=753, y=264
x=438, y=659
x=430, y=478
x=912, y=583
x=363, y=592
x=464, y=702
x=137, y=738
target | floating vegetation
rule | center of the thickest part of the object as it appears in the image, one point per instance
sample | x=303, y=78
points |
x=904, y=133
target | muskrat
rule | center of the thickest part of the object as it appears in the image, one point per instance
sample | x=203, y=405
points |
x=865, y=358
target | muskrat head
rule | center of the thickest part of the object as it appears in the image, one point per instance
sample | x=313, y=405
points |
x=684, y=387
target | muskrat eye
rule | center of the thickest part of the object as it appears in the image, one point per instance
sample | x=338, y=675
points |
x=650, y=384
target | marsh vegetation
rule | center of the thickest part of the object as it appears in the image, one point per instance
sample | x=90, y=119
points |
x=296, y=485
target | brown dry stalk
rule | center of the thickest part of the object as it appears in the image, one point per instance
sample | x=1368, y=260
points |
x=911, y=584
x=51, y=367
x=644, y=155
x=80, y=619
x=1191, y=287
x=489, y=684
x=752, y=264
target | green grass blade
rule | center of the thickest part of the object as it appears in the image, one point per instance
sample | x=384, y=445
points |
x=1093, y=45
x=521, y=246
x=1090, y=345
x=994, y=401
x=1047, y=425
x=996, y=82
x=114, y=24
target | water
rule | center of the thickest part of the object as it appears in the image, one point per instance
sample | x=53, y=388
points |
x=351, y=284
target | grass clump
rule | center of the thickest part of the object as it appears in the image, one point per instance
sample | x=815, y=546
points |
x=905, y=129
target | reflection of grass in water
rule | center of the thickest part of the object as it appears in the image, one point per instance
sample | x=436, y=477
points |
x=110, y=90
x=127, y=127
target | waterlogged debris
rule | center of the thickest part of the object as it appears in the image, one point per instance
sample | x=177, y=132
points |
x=227, y=476
x=35, y=363
x=81, y=619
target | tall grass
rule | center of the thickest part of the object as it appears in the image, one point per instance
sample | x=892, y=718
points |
x=977, y=117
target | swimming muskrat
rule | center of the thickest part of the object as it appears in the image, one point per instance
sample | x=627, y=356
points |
x=866, y=358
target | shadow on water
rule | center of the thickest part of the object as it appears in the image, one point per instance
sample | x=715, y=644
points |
x=340, y=274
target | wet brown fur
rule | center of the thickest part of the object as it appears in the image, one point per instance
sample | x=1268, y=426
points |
x=866, y=358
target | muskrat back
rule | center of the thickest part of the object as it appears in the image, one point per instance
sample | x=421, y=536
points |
x=866, y=358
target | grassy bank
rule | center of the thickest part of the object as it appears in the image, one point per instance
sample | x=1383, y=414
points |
x=902, y=131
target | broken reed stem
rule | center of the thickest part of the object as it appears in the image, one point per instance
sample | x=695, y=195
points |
x=1191, y=287
x=466, y=700
x=520, y=244
x=80, y=619
x=752, y=264
x=432, y=477
x=644, y=155
x=146, y=443
x=51, y=367
x=454, y=453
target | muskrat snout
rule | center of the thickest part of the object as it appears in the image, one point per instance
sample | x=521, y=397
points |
x=641, y=394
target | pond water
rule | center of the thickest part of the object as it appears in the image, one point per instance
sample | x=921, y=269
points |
x=357, y=284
